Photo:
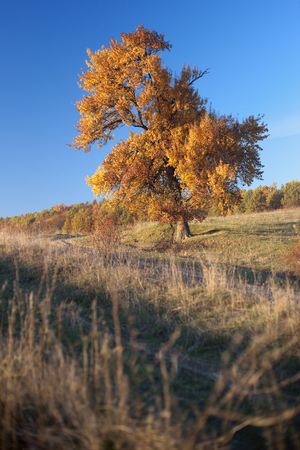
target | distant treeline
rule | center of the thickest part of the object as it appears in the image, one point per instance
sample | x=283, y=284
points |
x=264, y=198
x=81, y=218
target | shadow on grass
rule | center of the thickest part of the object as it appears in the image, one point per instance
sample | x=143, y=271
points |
x=208, y=232
x=195, y=376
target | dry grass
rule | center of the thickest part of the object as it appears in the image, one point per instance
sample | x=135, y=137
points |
x=76, y=373
x=203, y=298
x=256, y=242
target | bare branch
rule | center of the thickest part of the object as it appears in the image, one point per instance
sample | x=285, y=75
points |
x=201, y=74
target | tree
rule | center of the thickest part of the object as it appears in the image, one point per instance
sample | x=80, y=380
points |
x=274, y=200
x=258, y=201
x=291, y=194
x=179, y=157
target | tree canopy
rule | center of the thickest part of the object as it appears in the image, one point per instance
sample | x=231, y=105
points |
x=179, y=157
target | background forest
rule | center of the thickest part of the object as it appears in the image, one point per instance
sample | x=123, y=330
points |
x=82, y=217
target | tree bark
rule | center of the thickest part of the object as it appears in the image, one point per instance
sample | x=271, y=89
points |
x=183, y=230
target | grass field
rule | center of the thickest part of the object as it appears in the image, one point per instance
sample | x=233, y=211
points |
x=255, y=241
x=153, y=344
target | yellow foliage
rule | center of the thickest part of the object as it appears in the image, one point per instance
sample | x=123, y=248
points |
x=183, y=158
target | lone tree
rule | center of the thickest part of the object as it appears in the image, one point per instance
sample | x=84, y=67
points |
x=183, y=157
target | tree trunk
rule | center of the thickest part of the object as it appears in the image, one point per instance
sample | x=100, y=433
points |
x=183, y=230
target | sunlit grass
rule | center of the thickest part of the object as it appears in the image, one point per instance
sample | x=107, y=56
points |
x=255, y=241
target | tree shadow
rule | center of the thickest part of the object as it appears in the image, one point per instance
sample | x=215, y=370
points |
x=208, y=232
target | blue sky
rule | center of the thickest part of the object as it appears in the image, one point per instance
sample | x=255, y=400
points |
x=252, y=49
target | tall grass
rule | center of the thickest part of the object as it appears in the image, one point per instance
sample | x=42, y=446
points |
x=92, y=356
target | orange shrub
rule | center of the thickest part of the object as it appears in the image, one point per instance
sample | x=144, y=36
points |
x=105, y=236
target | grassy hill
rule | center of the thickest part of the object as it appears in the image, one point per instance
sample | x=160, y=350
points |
x=154, y=343
x=259, y=242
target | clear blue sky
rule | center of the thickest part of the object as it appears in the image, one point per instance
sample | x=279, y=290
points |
x=252, y=48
